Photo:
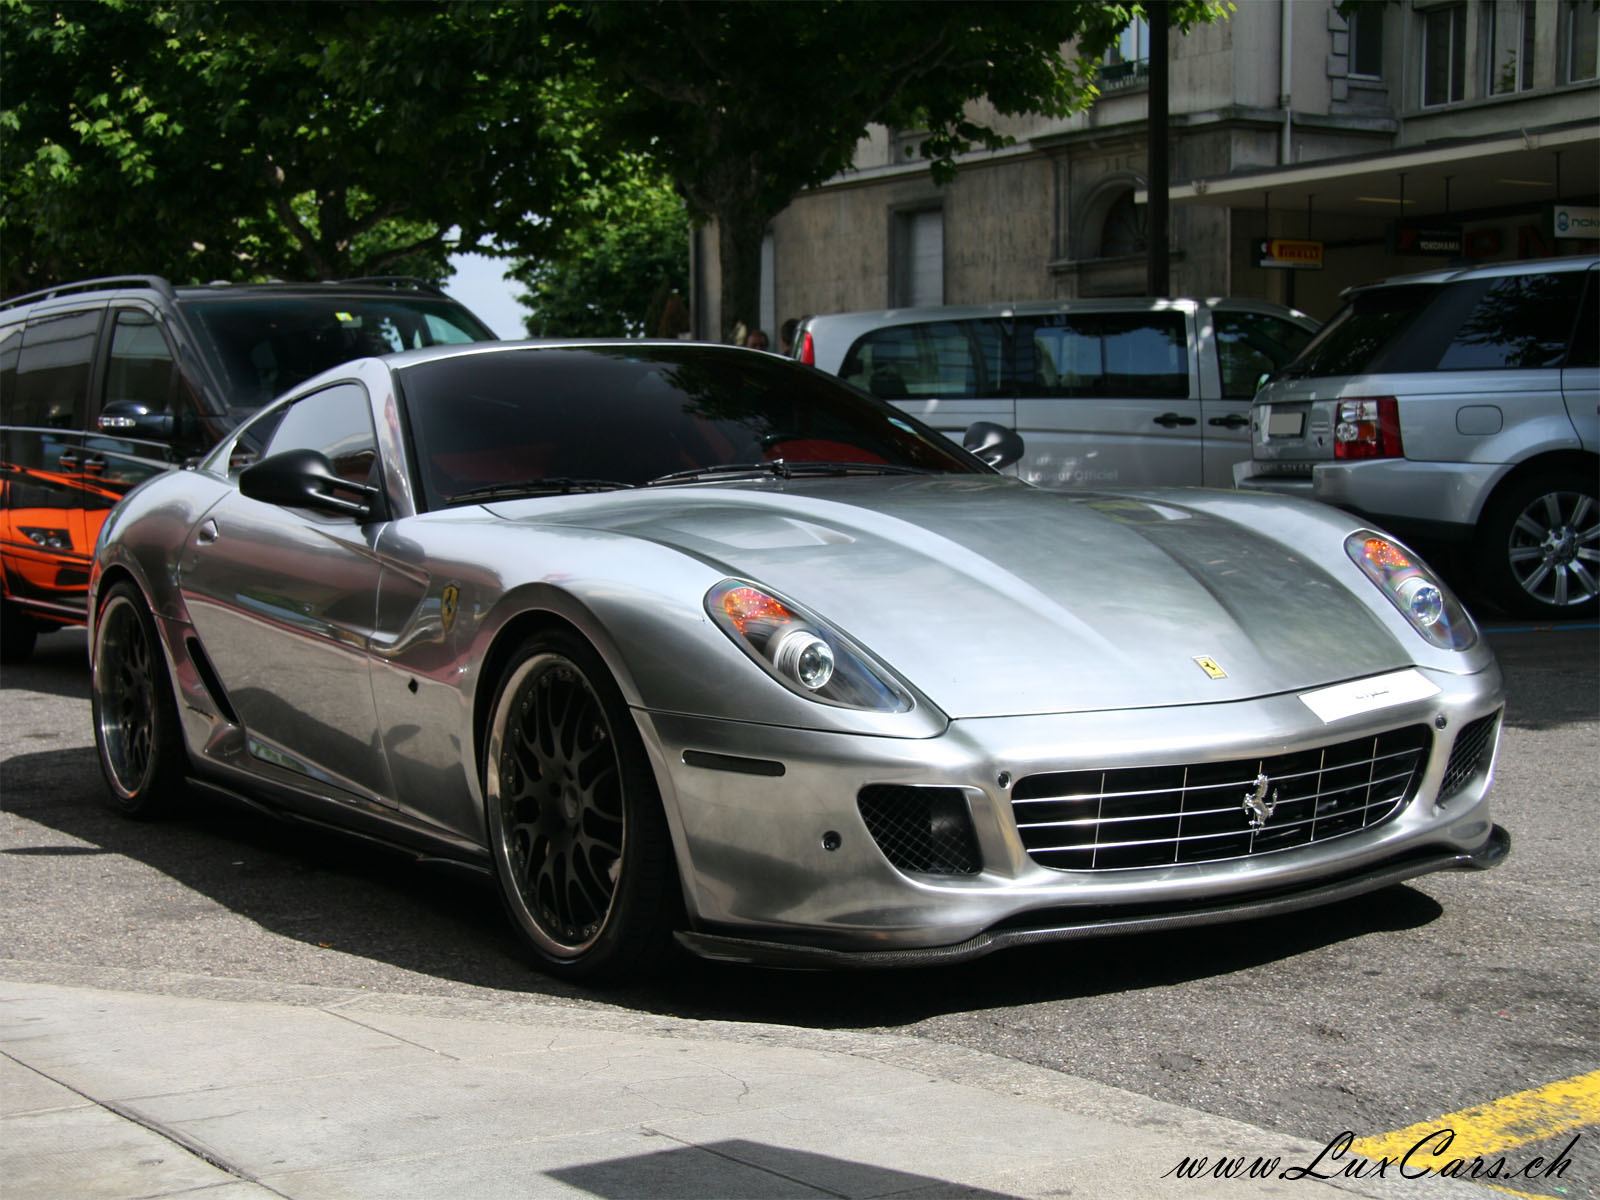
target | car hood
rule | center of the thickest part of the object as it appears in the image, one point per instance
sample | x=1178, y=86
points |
x=997, y=599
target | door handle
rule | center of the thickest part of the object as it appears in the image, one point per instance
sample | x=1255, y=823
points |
x=1231, y=421
x=95, y=464
x=70, y=458
x=1172, y=420
x=207, y=533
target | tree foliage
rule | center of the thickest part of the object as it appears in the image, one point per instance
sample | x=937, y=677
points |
x=759, y=99
x=301, y=139
x=611, y=276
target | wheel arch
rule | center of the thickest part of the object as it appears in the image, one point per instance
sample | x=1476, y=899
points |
x=1582, y=461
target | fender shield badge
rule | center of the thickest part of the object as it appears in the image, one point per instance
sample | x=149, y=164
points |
x=447, y=605
x=1210, y=667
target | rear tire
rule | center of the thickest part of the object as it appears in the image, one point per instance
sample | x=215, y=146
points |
x=136, y=731
x=1539, y=547
x=575, y=822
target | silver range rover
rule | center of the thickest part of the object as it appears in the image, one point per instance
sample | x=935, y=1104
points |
x=1458, y=407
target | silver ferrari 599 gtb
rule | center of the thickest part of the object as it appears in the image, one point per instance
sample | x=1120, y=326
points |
x=692, y=644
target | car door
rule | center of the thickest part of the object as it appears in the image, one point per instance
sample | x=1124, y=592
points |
x=1107, y=399
x=283, y=600
x=1245, y=346
x=1580, y=375
x=45, y=540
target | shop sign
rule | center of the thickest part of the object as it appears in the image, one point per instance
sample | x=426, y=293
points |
x=1574, y=221
x=1290, y=253
x=1441, y=241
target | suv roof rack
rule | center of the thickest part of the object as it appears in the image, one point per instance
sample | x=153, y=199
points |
x=106, y=283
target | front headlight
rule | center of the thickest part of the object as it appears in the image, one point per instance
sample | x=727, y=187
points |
x=1422, y=599
x=803, y=653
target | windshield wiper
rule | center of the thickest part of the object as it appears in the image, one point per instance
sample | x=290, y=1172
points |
x=782, y=469
x=550, y=485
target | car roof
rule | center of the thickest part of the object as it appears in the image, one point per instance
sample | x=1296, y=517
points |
x=955, y=312
x=122, y=286
x=1453, y=273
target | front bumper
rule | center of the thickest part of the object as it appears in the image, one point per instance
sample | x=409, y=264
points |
x=1067, y=925
x=778, y=861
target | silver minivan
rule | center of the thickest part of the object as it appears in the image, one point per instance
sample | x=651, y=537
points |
x=1457, y=408
x=1105, y=393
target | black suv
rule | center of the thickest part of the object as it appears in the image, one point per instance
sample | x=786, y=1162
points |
x=107, y=382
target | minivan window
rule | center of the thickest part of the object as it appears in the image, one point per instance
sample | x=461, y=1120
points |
x=1371, y=323
x=927, y=361
x=1250, y=345
x=1135, y=355
x=52, y=379
x=1586, y=334
x=1520, y=321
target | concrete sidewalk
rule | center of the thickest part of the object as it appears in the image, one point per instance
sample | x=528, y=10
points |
x=318, y=1093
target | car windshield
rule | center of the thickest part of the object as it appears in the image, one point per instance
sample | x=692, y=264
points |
x=556, y=420
x=262, y=345
x=1361, y=332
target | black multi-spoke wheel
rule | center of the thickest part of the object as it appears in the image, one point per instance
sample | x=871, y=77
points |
x=575, y=822
x=135, y=719
x=1541, y=547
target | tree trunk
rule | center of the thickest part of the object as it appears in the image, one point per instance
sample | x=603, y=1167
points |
x=739, y=237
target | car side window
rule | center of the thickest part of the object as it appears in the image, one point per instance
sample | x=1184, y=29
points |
x=52, y=374
x=928, y=361
x=1250, y=345
x=337, y=421
x=1130, y=355
x=1519, y=322
x=140, y=366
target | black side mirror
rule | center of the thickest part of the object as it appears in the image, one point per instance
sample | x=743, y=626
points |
x=306, y=479
x=993, y=444
x=133, y=418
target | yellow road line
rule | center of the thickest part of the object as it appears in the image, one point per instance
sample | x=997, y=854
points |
x=1500, y=1125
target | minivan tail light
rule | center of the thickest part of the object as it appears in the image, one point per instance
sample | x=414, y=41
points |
x=808, y=351
x=1368, y=427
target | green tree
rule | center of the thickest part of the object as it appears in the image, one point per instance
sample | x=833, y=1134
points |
x=746, y=103
x=609, y=274
x=236, y=140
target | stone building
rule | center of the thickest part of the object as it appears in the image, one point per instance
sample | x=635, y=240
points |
x=1410, y=134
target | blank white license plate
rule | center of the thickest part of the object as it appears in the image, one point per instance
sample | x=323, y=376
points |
x=1285, y=424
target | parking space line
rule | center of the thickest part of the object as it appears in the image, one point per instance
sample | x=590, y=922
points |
x=1488, y=1130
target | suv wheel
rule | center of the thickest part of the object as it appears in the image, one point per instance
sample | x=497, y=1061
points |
x=1539, y=546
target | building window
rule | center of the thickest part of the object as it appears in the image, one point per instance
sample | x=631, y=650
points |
x=1128, y=61
x=1444, y=55
x=1510, y=58
x=1126, y=230
x=1366, y=42
x=1582, y=27
x=918, y=258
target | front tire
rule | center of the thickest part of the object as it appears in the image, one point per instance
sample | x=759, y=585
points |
x=1539, y=549
x=575, y=822
x=135, y=717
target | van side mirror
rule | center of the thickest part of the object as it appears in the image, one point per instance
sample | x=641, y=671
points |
x=133, y=418
x=306, y=479
x=993, y=444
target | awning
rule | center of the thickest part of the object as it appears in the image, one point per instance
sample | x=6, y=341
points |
x=1459, y=176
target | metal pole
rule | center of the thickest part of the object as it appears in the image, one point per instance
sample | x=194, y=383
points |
x=1157, y=277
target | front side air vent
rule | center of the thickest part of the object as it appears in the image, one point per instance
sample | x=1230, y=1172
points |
x=922, y=830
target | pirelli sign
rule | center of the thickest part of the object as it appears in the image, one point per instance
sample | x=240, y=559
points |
x=1294, y=254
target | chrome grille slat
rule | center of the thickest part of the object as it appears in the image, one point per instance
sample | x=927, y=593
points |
x=1186, y=813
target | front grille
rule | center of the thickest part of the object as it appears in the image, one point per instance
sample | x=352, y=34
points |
x=1468, y=754
x=1157, y=816
x=925, y=830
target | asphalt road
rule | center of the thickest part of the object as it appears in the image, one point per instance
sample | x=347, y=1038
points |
x=1370, y=1016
